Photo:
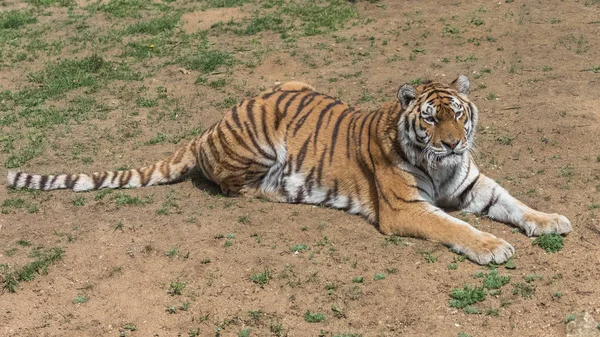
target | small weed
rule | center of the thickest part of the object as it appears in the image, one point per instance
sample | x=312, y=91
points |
x=358, y=279
x=122, y=199
x=452, y=266
x=79, y=201
x=15, y=19
x=570, y=318
x=298, y=248
x=310, y=317
x=510, y=264
x=463, y=334
x=550, y=242
x=244, y=219
x=392, y=240
x=532, y=277
x=43, y=259
x=80, y=299
x=172, y=252
x=261, y=279
x=379, y=277
x=175, y=288
x=472, y=310
x=130, y=327
x=337, y=311
x=245, y=332
x=277, y=329
x=429, y=258
x=466, y=296
x=493, y=280
x=491, y=96
x=24, y=243
x=557, y=295
x=525, y=290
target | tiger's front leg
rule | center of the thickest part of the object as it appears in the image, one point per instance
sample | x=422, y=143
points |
x=484, y=196
x=403, y=211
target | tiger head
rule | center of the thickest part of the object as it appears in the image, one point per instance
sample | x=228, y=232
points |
x=438, y=120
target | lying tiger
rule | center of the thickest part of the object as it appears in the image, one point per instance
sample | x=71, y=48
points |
x=398, y=166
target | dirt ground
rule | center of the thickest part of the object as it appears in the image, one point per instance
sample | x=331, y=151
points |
x=184, y=260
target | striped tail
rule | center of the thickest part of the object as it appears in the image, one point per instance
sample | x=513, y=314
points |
x=165, y=171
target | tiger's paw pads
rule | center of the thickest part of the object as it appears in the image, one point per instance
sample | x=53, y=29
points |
x=488, y=249
x=538, y=223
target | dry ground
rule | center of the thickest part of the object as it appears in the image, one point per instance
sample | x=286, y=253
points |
x=84, y=87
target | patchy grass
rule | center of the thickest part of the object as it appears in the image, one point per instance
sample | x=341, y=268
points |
x=493, y=280
x=43, y=259
x=61, y=77
x=15, y=19
x=313, y=317
x=552, y=243
x=466, y=296
x=261, y=279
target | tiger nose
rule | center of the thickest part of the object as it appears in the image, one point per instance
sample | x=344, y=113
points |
x=452, y=143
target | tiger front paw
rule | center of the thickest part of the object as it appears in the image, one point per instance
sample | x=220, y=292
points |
x=487, y=249
x=537, y=223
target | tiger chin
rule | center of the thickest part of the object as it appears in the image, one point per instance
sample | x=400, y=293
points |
x=398, y=166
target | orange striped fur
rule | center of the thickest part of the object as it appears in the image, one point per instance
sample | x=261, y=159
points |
x=396, y=165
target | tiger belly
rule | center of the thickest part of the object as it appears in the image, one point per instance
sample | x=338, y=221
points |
x=299, y=187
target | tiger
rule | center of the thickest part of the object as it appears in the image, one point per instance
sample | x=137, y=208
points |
x=400, y=166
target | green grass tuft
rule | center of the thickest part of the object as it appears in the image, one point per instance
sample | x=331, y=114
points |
x=466, y=296
x=58, y=78
x=206, y=60
x=15, y=19
x=43, y=259
x=261, y=279
x=311, y=317
x=494, y=280
x=155, y=26
x=552, y=243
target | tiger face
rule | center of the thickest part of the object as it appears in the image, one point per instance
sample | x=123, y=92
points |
x=439, y=120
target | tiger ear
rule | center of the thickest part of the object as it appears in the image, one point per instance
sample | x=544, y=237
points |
x=406, y=95
x=461, y=84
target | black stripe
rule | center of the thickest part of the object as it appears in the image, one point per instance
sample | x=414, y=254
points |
x=43, y=181
x=302, y=154
x=233, y=155
x=99, y=179
x=17, y=177
x=28, y=180
x=309, y=181
x=239, y=139
x=463, y=180
x=409, y=201
x=406, y=124
x=493, y=200
x=68, y=182
x=303, y=118
x=281, y=97
x=236, y=118
x=299, y=195
x=289, y=102
x=250, y=114
x=334, y=134
x=322, y=115
x=255, y=143
x=303, y=103
x=321, y=161
x=468, y=189
x=350, y=133
x=267, y=95
x=370, y=127
x=265, y=130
